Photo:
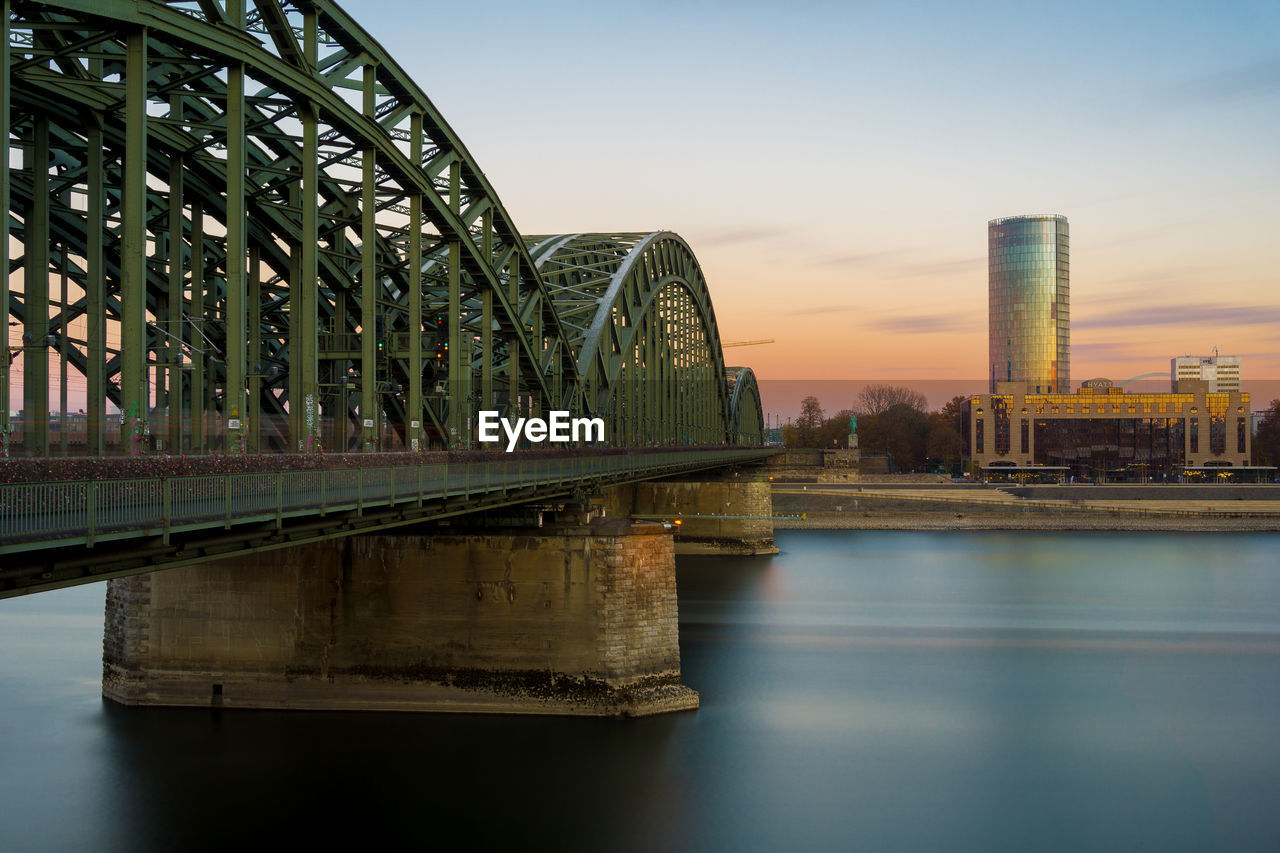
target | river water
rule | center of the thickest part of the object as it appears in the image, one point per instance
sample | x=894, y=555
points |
x=861, y=690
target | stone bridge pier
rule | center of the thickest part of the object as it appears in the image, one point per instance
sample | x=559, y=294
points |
x=717, y=516
x=578, y=617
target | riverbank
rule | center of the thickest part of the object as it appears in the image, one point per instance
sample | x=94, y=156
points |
x=942, y=521
x=809, y=507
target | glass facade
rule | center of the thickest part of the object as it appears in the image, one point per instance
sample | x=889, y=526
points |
x=1029, y=316
x=1087, y=445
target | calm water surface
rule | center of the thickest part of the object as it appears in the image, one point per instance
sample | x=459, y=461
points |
x=862, y=690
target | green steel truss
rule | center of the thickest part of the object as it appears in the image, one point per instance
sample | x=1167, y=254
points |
x=638, y=314
x=258, y=233
x=746, y=424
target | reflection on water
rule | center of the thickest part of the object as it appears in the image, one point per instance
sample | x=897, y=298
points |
x=877, y=690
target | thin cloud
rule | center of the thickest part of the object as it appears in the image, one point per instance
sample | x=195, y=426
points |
x=934, y=369
x=740, y=235
x=1201, y=314
x=942, y=267
x=1260, y=78
x=904, y=263
x=824, y=309
x=926, y=324
x=1164, y=276
x=861, y=259
x=1107, y=351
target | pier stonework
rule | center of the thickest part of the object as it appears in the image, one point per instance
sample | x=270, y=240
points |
x=575, y=620
x=717, y=516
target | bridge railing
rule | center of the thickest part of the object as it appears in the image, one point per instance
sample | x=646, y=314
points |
x=84, y=511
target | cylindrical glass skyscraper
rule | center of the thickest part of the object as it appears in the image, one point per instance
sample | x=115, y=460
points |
x=1029, y=317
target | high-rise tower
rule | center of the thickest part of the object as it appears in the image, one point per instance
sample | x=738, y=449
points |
x=1029, y=317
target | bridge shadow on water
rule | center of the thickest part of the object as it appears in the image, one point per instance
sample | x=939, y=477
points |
x=195, y=779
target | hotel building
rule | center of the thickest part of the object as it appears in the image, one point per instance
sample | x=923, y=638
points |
x=1101, y=432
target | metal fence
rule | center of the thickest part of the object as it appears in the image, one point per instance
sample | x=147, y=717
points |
x=51, y=514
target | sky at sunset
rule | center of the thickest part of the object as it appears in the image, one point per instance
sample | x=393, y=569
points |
x=834, y=165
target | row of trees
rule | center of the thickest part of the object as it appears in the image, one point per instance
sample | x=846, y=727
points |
x=892, y=420
x=1266, y=444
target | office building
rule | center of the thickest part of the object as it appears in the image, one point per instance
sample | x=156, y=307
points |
x=1029, y=318
x=1222, y=372
x=1101, y=432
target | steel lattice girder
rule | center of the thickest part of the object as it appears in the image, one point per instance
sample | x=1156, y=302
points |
x=746, y=414
x=611, y=291
x=159, y=140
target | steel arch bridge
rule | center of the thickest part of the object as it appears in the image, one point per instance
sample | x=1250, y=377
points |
x=247, y=229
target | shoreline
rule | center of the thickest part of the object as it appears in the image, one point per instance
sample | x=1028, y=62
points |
x=950, y=521
x=907, y=508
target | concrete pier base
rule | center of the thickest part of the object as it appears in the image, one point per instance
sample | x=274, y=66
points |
x=575, y=620
x=717, y=516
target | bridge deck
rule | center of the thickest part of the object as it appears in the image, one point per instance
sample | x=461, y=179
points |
x=62, y=533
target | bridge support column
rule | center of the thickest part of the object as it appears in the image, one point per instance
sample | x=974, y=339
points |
x=576, y=620
x=717, y=516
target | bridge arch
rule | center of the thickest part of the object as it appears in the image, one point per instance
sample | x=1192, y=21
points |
x=270, y=238
x=746, y=414
x=640, y=317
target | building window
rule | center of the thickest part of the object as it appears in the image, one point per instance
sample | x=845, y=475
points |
x=1218, y=434
x=1195, y=435
x=1241, y=434
x=978, y=435
x=1000, y=408
x=1026, y=434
